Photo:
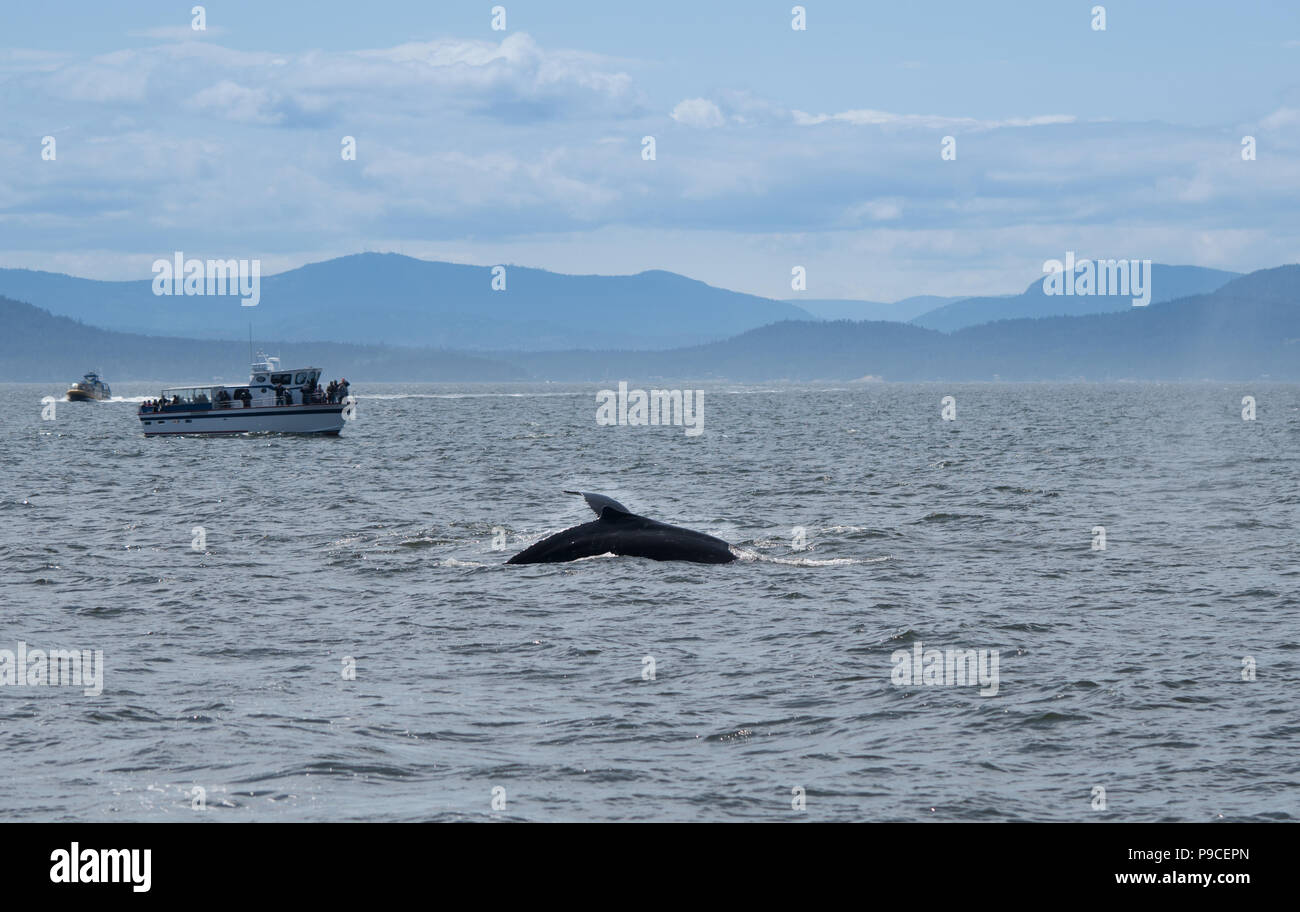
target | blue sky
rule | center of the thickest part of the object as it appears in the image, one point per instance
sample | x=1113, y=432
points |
x=775, y=147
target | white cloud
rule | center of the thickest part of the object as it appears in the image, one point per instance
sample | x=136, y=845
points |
x=506, y=77
x=867, y=117
x=23, y=60
x=514, y=79
x=238, y=103
x=121, y=77
x=876, y=210
x=1282, y=117
x=698, y=112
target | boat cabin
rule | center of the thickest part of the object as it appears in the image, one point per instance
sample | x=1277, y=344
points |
x=268, y=386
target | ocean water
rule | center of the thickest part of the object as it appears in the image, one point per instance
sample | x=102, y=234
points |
x=774, y=692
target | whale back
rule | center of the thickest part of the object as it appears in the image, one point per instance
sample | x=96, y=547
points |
x=622, y=532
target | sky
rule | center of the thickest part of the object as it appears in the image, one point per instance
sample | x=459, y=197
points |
x=774, y=147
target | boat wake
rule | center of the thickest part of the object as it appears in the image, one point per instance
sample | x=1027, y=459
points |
x=463, y=395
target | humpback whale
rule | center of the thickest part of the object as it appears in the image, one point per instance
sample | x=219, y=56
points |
x=620, y=531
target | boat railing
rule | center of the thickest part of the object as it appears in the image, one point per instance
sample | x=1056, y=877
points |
x=268, y=401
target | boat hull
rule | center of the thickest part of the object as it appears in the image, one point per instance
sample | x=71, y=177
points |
x=293, y=419
x=76, y=395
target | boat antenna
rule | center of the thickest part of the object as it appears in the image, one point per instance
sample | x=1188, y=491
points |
x=250, y=341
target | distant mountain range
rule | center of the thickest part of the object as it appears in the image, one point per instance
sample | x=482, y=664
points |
x=389, y=299
x=949, y=314
x=1168, y=283
x=898, y=311
x=37, y=346
x=1247, y=329
x=377, y=298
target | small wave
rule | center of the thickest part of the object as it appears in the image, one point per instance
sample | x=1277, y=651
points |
x=746, y=555
x=426, y=542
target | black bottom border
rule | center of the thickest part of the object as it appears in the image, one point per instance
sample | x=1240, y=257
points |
x=908, y=861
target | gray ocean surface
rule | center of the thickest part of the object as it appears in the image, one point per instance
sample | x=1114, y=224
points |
x=1119, y=669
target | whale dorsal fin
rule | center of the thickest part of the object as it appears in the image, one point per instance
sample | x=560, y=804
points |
x=599, y=503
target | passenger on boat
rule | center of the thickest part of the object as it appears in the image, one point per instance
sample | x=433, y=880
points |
x=343, y=389
x=331, y=390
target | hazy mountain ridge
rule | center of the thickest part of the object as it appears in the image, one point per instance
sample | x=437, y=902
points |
x=849, y=309
x=1249, y=328
x=41, y=347
x=452, y=306
x=1168, y=283
x=426, y=303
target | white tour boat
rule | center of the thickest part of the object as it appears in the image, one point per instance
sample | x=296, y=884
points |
x=274, y=401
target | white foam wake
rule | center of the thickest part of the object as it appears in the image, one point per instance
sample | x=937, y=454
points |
x=463, y=395
x=745, y=554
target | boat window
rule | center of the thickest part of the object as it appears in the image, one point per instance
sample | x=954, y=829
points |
x=260, y=378
x=281, y=378
x=301, y=378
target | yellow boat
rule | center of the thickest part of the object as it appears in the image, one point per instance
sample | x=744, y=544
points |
x=88, y=389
